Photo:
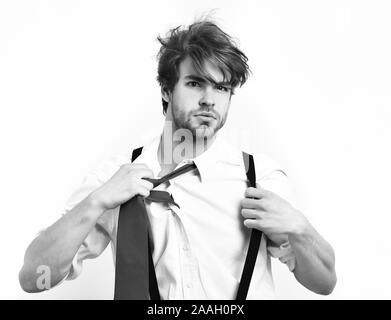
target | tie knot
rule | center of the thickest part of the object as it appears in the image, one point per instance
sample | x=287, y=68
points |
x=164, y=196
x=161, y=196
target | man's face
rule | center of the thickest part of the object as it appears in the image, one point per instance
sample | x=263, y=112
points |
x=198, y=104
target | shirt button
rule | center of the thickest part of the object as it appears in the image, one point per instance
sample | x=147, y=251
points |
x=188, y=285
x=184, y=248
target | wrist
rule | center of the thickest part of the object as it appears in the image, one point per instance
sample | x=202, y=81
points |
x=95, y=203
x=277, y=240
x=300, y=228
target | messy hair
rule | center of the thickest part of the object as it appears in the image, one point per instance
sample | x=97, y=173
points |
x=201, y=41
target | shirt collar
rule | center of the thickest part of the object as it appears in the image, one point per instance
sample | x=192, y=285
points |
x=149, y=156
x=220, y=152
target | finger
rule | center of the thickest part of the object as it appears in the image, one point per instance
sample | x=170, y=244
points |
x=253, y=224
x=253, y=193
x=139, y=165
x=146, y=184
x=144, y=173
x=248, y=203
x=143, y=191
x=256, y=193
x=251, y=214
x=134, y=166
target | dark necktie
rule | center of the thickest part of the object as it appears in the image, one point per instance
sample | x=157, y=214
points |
x=134, y=265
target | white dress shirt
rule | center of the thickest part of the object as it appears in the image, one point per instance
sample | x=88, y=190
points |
x=199, y=248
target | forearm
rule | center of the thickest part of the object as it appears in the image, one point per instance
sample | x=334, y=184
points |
x=315, y=261
x=57, y=245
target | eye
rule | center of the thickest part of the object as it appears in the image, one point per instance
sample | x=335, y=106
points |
x=222, y=88
x=193, y=84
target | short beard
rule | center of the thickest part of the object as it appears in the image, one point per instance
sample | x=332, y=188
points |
x=204, y=132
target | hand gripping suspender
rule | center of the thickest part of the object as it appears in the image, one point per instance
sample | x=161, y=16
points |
x=253, y=248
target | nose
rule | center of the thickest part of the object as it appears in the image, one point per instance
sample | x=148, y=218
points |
x=207, y=99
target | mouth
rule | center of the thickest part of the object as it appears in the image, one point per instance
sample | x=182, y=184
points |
x=206, y=115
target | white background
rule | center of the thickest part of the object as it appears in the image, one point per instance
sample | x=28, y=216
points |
x=77, y=84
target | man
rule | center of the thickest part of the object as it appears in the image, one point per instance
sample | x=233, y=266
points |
x=199, y=246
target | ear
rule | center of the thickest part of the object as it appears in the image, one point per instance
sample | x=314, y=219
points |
x=166, y=96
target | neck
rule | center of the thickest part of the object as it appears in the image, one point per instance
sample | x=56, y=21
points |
x=177, y=145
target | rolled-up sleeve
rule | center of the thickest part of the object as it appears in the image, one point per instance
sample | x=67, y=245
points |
x=92, y=247
x=99, y=237
x=284, y=253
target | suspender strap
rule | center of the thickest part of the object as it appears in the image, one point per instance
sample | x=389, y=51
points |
x=136, y=153
x=153, y=286
x=255, y=238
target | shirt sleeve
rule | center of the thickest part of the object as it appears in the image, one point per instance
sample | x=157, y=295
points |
x=98, y=238
x=284, y=253
x=105, y=229
x=270, y=176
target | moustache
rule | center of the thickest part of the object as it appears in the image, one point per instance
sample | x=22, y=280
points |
x=206, y=113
